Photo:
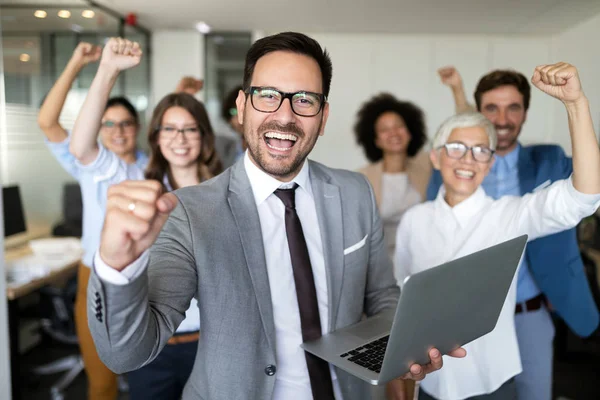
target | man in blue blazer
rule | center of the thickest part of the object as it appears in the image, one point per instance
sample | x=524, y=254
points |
x=552, y=272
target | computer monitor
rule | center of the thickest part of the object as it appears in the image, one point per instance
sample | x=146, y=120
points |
x=14, y=219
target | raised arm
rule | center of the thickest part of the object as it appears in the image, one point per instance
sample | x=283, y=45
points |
x=118, y=55
x=563, y=204
x=54, y=102
x=561, y=81
x=451, y=78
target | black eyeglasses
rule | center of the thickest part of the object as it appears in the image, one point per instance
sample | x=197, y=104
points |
x=170, y=132
x=269, y=100
x=457, y=150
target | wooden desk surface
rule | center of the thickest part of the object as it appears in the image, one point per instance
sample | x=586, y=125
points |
x=17, y=249
x=35, y=231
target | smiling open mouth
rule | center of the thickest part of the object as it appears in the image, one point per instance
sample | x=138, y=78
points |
x=464, y=174
x=280, y=141
x=181, y=152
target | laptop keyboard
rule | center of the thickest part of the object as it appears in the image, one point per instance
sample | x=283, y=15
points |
x=370, y=355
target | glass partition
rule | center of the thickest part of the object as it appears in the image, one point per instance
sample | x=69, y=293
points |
x=36, y=50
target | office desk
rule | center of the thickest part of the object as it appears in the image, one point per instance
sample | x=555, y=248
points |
x=60, y=274
x=56, y=275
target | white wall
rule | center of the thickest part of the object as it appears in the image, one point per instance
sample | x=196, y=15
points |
x=174, y=54
x=406, y=66
x=579, y=47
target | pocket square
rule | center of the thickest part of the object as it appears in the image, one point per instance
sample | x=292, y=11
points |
x=542, y=185
x=356, y=246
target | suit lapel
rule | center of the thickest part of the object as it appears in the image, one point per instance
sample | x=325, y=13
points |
x=328, y=204
x=243, y=207
x=526, y=171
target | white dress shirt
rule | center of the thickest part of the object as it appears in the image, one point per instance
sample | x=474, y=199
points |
x=292, y=380
x=433, y=233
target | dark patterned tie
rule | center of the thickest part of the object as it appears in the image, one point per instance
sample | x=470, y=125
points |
x=318, y=369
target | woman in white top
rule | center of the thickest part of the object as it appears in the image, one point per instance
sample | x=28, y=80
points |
x=462, y=220
x=392, y=133
x=183, y=154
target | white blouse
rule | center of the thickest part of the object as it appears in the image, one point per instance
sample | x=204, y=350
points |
x=433, y=233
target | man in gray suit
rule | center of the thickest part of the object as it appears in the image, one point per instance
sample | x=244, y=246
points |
x=277, y=250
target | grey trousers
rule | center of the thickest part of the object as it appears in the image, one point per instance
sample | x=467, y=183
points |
x=535, y=333
x=508, y=391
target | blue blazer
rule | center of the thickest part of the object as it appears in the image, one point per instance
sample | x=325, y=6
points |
x=555, y=261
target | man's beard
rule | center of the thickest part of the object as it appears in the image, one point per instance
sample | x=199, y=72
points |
x=509, y=139
x=280, y=170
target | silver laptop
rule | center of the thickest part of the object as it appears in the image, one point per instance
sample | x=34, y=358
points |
x=443, y=307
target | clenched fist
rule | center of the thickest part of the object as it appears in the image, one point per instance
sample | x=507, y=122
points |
x=559, y=80
x=190, y=85
x=136, y=212
x=121, y=54
x=85, y=53
x=450, y=77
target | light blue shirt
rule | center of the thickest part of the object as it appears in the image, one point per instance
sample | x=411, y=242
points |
x=503, y=180
x=94, y=180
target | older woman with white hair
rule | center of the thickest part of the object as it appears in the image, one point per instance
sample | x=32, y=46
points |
x=463, y=219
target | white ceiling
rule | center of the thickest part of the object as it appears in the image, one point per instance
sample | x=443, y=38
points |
x=365, y=16
x=356, y=16
x=22, y=21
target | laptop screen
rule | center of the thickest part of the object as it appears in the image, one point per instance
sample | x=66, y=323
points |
x=14, y=219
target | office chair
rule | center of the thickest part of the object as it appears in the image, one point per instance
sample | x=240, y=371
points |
x=58, y=323
x=71, y=225
x=58, y=303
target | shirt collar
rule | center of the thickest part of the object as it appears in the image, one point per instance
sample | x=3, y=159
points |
x=463, y=211
x=511, y=159
x=263, y=185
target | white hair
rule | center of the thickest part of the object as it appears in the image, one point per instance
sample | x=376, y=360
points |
x=465, y=120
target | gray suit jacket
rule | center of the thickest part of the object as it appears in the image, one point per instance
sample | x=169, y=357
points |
x=211, y=247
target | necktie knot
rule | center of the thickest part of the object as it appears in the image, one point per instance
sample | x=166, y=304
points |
x=287, y=196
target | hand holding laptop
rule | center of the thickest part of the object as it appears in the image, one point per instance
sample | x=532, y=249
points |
x=417, y=372
x=438, y=311
x=395, y=389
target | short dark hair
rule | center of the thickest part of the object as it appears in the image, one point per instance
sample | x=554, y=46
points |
x=503, y=77
x=229, y=103
x=123, y=102
x=370, y=111
x=293, y=42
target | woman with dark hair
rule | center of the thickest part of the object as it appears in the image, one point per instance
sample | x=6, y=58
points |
x=118, y=132
x=392, y=133
x=172, y=161
x=183, y=154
